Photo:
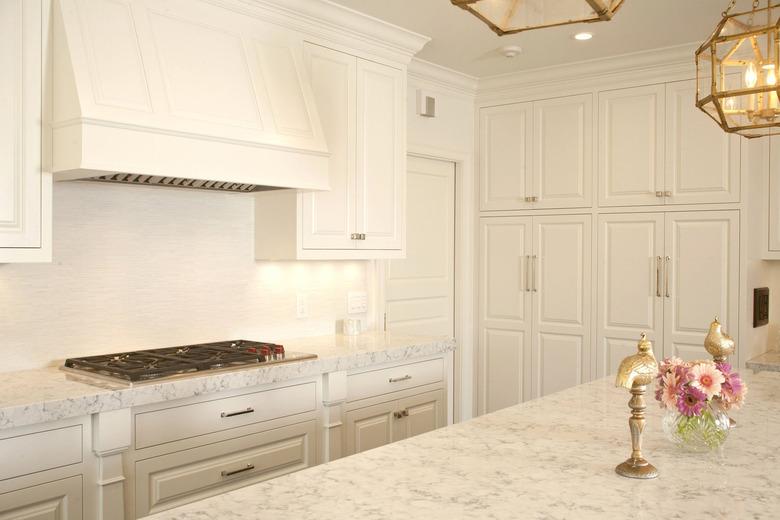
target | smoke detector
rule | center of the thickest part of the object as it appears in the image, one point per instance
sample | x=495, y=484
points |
x=510, y=51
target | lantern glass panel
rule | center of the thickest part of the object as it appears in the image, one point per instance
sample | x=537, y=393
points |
x=518, y=15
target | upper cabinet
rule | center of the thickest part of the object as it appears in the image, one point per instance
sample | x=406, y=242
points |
x=25, y=189
x=536, y=155
x=361, y=106
x=656, y=147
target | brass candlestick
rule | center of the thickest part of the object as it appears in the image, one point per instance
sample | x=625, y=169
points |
x=717, y=343
x=635, y=373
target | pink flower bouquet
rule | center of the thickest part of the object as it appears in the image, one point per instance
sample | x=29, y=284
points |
x=696, y=396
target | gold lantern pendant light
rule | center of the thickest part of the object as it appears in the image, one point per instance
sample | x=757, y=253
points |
x=737, y=71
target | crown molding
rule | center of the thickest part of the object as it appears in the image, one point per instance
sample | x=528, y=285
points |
x=442, y=77
x=331, y=21
x=644, y=66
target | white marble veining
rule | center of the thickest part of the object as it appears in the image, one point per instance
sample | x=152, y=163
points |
x=766, y=361
x=552, y=458
x=36, y=396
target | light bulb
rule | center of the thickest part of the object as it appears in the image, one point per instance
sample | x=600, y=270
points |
x=771, y=78
x=751, y=75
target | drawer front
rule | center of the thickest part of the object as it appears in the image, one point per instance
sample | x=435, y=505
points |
x=185, y=476
x=40, y=451
x=182, y=422
x=58, y=500
x=386, y=380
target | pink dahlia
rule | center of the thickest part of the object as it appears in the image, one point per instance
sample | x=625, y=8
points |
x=707, y=378
x=733, y=391
x=691, y=401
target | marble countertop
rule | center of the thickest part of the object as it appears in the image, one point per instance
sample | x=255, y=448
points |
x=552, y=458
x=36, y=396
x=766, y=361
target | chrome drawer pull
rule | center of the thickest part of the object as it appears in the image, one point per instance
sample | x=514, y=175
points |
x=233, y=414
x=399, y=379
x=236, y=471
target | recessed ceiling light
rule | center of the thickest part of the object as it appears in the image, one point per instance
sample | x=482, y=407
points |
x=510, y=51
x=583, y=36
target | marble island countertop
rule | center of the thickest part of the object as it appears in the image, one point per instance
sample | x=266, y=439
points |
x=36, y=396
x=767, y=361
x=552, y=458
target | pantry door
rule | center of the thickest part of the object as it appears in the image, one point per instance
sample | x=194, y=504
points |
x=420, y=289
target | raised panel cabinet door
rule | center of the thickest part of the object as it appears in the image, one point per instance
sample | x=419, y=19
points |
x=328, y=217
x=20, y=123
x=774, y=194
x=631, y=146
x=702, y=161
x=505, y=156
x=561, y=278
x=701, y=279
x=381, y=156
x=58, y=500
x=504, y=312
x=371, y=427
x=422, y=413
x=629, y=285
x=562, y=152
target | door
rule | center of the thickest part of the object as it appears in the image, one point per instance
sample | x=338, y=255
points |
x=504, y=312
x=631, y=146
x=562, y=152
x=370, y=427
x=381, y=158
x=58, y=500
x=420, y=288
x=702, y=161
x=329, y=216
x=422, y=413
x=630, y=284
x=701, y=279
x=505, y=156
x=20, y=131
x=561, y=278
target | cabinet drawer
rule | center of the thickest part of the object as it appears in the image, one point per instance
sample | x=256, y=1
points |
x=61, y=499
x=40, y=451
x=185, y=476
x=386, y=380
x=182, y=422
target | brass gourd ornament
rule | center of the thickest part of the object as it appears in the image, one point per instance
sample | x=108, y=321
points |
x=717, y=343
x=635, y=373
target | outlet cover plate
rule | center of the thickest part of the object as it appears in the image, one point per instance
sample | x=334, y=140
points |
x=357, y=302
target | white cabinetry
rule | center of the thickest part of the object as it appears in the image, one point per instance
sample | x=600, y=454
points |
x=58, y=500
x=25, y=189
x=666, y=274
x=536, y=155
x=361, y=105
x=770, y=206
x=534, y=311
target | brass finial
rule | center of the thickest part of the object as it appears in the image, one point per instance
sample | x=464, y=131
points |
x=717, y=343
x=635, y=373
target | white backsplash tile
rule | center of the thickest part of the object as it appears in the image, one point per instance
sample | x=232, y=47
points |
x=138, y=267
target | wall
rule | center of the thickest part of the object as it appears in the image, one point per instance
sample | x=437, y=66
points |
x=138, y=267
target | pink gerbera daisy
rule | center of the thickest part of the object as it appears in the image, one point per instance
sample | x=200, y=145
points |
x=670, y=391
x=691, y=401
x=707, y=378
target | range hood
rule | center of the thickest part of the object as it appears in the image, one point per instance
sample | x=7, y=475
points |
x=183, y=93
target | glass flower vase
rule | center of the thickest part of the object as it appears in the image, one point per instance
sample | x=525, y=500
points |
x=699, y=433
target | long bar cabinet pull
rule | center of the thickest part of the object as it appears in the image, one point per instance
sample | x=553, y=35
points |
x=240, y=412
x=407, y=377
x=533, y=275
x=658, y=261
x=248, y=467
x=667, y=268
x=527, y=273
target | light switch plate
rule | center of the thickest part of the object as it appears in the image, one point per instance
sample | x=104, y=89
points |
x=302, y=305
x=357, y=302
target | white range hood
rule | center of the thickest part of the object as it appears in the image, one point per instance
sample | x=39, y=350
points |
x=197, y=93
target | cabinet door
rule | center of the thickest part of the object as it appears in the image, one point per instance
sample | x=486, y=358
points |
x=329, y=216
x=422, y=413
x=701, y=279
x=631, y=146
x=58, y=500
x=774, y=194
x=504, y=312
x=381, y=158
x=505, y=156
x=561, y=278
x=370, y=427
x=20, y=130
x=563, y=152
x=630, y=284
x=702, y=161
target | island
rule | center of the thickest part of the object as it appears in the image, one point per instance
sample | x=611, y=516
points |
x=550, y=458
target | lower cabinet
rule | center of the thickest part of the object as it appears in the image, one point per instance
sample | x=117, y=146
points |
x=376, y=425
x=58, y=500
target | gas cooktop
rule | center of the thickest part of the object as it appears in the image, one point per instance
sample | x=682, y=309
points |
x=146, y=365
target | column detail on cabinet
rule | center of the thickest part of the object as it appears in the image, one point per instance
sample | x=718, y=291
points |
x=110, y=439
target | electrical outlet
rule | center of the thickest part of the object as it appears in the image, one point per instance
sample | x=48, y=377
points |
x=302, y=305
x=357, y=302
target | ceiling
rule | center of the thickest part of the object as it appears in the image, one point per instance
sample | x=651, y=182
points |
x=462, y=42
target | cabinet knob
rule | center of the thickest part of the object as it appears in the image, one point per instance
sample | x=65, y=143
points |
x=667, y=194
x=659, y=194
x=354, y=236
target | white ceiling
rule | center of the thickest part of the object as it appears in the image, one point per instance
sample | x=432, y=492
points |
x=462, y=42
